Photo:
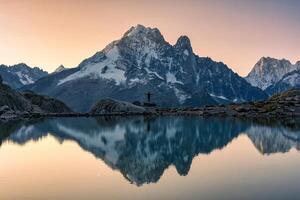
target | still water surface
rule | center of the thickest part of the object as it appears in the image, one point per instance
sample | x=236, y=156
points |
x=148, y=158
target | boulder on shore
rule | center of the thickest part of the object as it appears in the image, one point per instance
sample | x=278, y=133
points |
x=107, y=106
x=15, y=105
x=14, y=100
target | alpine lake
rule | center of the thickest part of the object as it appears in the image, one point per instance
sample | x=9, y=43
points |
x=144, y=157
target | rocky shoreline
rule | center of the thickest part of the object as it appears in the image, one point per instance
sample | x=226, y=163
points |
x=281, y=106
x=285, y=105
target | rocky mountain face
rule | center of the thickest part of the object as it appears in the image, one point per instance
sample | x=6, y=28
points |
x=269, y=71
x=17, y=76
x=142, y=61
x=288, y=81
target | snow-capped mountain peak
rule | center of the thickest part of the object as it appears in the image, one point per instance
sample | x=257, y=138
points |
x=20, y=74
x=268, y=71
x=142, y=61
x=146, y=32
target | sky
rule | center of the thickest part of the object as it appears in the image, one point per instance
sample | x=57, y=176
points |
x=48, y=33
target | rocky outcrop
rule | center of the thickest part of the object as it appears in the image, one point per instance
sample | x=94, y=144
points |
x=13, y=99
x=14, y=104
x=109, y=106
x=59, y=69
x=46, y=104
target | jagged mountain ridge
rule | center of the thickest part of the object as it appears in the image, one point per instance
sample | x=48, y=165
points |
x=143, y=61
x=16, y=76
x=268, y=71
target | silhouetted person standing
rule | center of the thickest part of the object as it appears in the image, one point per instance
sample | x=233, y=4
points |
x=148, y=94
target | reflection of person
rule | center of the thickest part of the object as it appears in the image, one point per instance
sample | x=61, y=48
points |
x=148, y=127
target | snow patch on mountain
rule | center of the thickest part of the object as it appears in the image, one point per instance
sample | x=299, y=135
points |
x=220, y=97
x=292, y=79
x=24, y=78
x=17, y=76
x=134, y=81
x=153, y=73
x=171, y=78
x=186, y=52
x=107, y=69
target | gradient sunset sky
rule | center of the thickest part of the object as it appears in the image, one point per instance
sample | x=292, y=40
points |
x=47, y=33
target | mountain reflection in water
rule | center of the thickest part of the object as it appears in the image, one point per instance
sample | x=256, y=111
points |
x=142, y=148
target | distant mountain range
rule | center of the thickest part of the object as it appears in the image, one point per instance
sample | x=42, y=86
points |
x=142, y=61
x=273, y=75
x=20, y=75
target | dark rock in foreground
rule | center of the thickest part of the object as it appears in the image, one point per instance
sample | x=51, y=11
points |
x=113, y=106
x=46, y=104
x=13, y=100
x=15, y=105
